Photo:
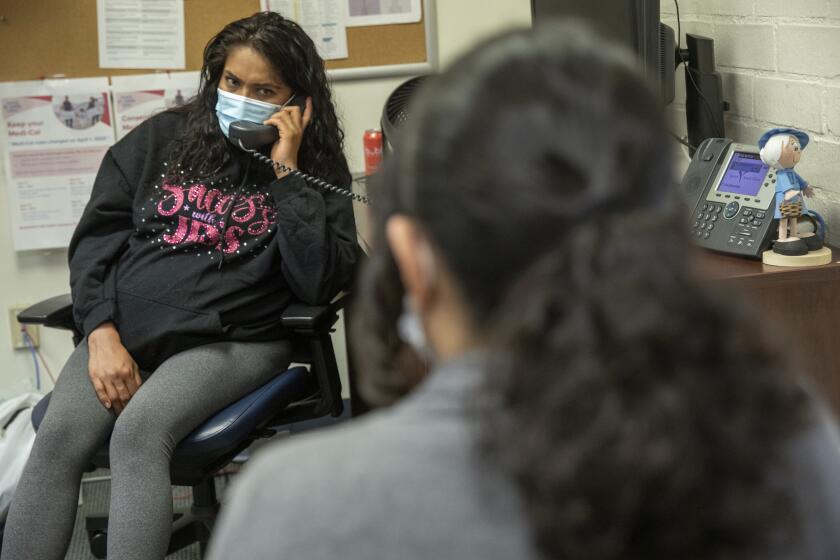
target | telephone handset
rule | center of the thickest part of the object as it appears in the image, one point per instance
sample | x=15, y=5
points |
x=254, y=135
x=251, y=136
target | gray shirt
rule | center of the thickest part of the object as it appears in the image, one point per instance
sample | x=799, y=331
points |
x=406, y=483
x=403, y=482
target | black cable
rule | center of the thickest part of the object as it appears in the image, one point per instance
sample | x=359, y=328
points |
x=306, y=177
x=683, y=141
x=687, y=70
x=679, y=31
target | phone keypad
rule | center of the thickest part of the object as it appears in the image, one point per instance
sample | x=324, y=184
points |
x=744, y=226
x=705, y=220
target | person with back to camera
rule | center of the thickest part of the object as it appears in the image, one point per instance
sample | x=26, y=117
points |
x=587, y=400
x=181, y=265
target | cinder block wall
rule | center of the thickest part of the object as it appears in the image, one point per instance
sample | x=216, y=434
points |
x=780, y=65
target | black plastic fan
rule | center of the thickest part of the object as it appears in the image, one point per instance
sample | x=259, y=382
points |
x=395, y=112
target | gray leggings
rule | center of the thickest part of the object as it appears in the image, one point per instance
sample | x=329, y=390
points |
x=183, y=392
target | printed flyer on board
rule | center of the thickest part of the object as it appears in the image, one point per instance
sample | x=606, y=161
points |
x=137, y=98
x=54, y=135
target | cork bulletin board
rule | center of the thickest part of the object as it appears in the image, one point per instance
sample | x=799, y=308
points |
x=43, y=38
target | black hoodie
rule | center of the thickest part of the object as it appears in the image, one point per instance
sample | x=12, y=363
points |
x=146, y=252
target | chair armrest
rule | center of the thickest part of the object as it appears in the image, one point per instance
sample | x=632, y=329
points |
x=302, y=318
x=312, y=324
x=307, y=319
x=55, y=312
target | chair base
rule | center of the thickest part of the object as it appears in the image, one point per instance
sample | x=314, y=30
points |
x=187, y=529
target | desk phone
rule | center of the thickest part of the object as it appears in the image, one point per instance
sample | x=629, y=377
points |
x=730, y=193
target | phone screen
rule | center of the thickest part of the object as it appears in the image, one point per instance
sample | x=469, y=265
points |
x=744, y=175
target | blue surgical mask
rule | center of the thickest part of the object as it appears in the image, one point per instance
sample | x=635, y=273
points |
x=231, y=107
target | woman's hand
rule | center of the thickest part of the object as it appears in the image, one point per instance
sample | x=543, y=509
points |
x=808, y=191
x=290, y=124
x=112, y=370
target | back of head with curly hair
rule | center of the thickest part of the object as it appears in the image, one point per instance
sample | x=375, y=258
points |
x=638, y=416
x=202, y=147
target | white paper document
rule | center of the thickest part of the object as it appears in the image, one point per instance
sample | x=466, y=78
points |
x=382, y=12
x=141, y=33
x=54, y=135
x=323, y=20
x=138, y=97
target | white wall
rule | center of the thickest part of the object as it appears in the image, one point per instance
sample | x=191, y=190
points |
x=31, y=276
x=780, y=67
x=460, y=23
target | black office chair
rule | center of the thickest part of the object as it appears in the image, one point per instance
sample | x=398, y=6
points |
x=295, y=395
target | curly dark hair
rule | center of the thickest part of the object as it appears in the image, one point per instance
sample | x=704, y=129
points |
x=639, y=415
x=203, y=148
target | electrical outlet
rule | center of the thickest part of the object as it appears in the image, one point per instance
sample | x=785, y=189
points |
x=17, y=334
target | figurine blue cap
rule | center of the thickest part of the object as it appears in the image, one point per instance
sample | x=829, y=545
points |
x=801, y=136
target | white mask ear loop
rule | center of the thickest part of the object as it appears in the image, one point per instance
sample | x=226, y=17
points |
x=288, y=100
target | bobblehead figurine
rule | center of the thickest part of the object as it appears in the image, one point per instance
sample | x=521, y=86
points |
x=781, y=148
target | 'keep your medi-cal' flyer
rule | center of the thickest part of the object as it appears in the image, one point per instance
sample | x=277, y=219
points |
x=55, y=134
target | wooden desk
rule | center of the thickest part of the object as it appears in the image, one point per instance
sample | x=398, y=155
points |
x=803, y=301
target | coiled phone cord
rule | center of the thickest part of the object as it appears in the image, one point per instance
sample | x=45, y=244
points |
x=305, y=176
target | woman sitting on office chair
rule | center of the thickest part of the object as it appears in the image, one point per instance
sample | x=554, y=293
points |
x=186, y=254
x=588, y=400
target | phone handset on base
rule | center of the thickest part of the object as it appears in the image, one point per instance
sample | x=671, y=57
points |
x=249, y=136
